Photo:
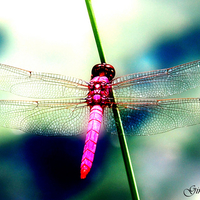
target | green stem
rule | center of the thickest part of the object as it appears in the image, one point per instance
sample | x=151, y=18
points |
x=120, y=130
x=125, y=151
x=95, y=31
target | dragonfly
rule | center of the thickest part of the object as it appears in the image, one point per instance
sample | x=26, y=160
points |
x=71, y=106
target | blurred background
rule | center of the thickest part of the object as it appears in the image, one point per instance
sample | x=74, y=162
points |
x=137, y=35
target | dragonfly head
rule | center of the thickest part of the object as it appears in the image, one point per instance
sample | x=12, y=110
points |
x=103, y=69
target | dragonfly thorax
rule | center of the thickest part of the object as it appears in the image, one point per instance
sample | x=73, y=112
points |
x=99, y=91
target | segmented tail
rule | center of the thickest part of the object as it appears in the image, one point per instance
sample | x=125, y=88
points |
x=94, y=126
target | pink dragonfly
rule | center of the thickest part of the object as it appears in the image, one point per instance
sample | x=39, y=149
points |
x=78, y=103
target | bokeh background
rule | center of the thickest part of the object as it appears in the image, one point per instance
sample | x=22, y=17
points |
x=137, y=35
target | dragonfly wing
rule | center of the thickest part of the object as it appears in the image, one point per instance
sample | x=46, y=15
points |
x=40, y=85
x=158, y=83
x=147, y=117
x=59, y=117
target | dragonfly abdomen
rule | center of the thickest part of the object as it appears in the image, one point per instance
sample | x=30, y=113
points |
x=94, y=126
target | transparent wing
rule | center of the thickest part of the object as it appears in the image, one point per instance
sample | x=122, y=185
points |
x=59, y=117
x=40, y=85
x=158, y=83
x=146, y=117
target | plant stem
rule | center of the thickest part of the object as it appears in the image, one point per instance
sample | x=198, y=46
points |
x=95, y=31
x=120, y=130
x=125, y=151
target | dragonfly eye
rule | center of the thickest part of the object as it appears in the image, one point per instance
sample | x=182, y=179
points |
x=103, y=69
